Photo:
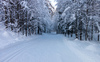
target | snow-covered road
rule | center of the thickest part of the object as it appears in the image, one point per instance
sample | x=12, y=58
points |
x=46, y=48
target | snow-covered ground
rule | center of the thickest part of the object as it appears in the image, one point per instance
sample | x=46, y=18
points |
x=50, y=48
x=7, y=37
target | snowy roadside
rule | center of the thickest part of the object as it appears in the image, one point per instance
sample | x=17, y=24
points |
x=87, y=51
x=8, y=38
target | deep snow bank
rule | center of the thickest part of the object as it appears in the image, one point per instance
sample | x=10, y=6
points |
x=8, y=37
x=87, y=51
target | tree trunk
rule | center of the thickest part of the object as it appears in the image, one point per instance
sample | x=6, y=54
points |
x=81, y=30
x=72, y=32
x=6, y=21
x=26, y=22
x=68, y=33
x=98, y=35
x=76, y=28
x=86, y=34
x=92, y=31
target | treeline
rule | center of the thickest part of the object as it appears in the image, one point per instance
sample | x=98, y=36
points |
x=25, y=16
x=79, y=18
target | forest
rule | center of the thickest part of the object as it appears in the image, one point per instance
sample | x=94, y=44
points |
x=73, y=18
x=49, y=30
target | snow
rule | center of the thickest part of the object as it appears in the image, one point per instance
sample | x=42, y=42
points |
x=50, y=48
x=64, y=13
x=87, y=51
x=24, y=4
x=7, y=37
x=5, y=3
x=54, y=2
x=98, y=26
x=72, y=17
x=70, y=27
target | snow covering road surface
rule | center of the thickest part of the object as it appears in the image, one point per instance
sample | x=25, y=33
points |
x=51, y=48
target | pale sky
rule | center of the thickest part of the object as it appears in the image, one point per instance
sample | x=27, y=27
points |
x=53, y=2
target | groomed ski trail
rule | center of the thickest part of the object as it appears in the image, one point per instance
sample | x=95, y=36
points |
x=46, y=48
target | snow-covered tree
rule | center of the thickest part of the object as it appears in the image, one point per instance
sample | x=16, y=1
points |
x=26, y=16
x=78, y=17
